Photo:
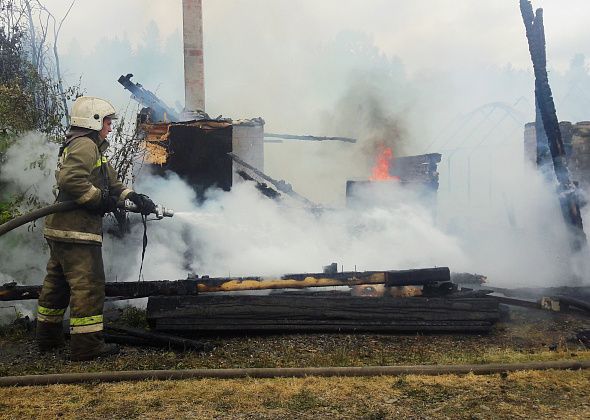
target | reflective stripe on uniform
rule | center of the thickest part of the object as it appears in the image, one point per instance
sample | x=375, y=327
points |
x=50, y=315
x=72, y=235
x=100, y=161
x=55, y=319
x=88, y=320
x=51, y=312
x=85, y=329
x=124, y=194
x=88, y=324
x=88, y=195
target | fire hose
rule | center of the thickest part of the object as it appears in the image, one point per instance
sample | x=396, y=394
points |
x=160, y=213
x=349, y=371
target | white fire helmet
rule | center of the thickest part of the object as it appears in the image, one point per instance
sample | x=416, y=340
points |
x=88, y=112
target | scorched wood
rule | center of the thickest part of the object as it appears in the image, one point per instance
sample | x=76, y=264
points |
x=132, y=290
x=319, y=313
x=128, y=290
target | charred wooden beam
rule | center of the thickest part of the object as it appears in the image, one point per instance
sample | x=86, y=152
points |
x=468, y=279
x=320, y=313
x=536, y=293
x=260, y=186
x=418, y=277
x=568, y=196
x=161, y=111
x=517, y=302
x=157, y=339
x=280, y=185
x=133, y=290
x=128, y=290
x=308, y=138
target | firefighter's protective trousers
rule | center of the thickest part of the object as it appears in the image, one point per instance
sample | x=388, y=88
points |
x=75, y=277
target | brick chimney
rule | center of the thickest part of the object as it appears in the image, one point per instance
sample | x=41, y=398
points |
x=194, y=68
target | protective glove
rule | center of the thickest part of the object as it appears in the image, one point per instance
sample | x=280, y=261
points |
x=143, y=203
x=106, y=204
x=109, y=204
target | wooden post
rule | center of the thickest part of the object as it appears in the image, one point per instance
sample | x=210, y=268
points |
x=568, y=197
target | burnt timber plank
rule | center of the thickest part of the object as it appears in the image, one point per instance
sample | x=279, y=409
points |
x=394, y=327
x=320, y=313
x=132, y=290
x=129, y=290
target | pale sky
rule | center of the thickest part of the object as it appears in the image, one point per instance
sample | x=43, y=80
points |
x=426, y=34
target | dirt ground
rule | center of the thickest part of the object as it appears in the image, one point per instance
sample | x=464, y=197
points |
x=525, y=336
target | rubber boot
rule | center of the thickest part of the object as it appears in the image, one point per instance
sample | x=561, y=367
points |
x=49, y=336
x=90, y=346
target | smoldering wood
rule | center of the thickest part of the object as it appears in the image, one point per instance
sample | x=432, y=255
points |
x=309, y=138
x=303, y=313
x=129, y=290
x=535, y=293
x=160, y=111
x=260, y=186
x=133, y=290
x=279, y=185
x=518, y=302
x=568, y=195
x=157, y=339
x=468, y=278
x=419, y=169
x=467, y=293
x=567, y=303
x=416, y=277
x=418, y=172
x=580, y=304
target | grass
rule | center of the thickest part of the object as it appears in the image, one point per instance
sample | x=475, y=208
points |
x=527, y=336
x=518, y=395
x=524, y=338
x=132, y=316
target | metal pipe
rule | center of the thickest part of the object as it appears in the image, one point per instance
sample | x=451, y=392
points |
x=367, y=371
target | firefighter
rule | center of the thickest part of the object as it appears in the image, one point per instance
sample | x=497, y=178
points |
x=75, y=272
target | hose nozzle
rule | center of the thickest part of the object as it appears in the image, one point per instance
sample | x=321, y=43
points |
x=160, y=212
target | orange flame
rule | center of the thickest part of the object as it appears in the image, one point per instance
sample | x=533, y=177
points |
x=382, y=163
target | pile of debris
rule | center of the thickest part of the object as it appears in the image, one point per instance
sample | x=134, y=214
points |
x=385, y=301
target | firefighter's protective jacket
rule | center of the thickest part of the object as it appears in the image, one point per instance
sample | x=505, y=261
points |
x=83, y=175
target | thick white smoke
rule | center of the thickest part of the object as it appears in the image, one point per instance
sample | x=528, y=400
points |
x=245, y=233
x=26, y=172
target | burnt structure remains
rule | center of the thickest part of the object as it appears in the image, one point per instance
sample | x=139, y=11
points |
x=199, y=151
x=576, y=141
x=419, y=173
x=196, y=151
x=547, y=119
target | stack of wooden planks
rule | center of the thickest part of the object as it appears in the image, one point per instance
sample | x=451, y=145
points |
x=320, y=312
